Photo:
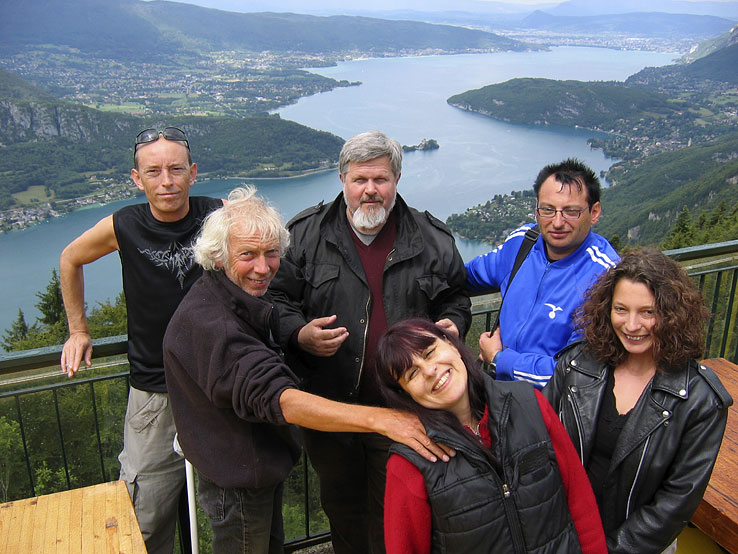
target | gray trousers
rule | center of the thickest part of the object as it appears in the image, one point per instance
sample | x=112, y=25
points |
x=154, y=473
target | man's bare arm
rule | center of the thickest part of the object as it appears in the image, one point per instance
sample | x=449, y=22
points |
x=88, y=247
x=321, y=414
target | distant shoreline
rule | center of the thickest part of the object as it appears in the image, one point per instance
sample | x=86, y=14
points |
x=24, y=217
x=296, y=176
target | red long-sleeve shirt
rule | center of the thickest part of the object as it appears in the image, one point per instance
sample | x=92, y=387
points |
x=407, y=514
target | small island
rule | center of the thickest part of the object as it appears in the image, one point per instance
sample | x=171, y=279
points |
x=425, y=144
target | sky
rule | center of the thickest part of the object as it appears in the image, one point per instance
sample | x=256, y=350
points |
x=479, y=6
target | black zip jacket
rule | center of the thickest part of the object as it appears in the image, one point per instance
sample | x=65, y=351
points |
x=321, y=274
x=664, y=455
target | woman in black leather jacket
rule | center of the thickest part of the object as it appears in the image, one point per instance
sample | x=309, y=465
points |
x=645, y=416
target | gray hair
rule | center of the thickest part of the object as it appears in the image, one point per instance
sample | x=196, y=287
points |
x=244, y=207
x=370, y=146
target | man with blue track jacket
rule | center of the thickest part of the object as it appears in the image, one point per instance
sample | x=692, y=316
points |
x=567, y=257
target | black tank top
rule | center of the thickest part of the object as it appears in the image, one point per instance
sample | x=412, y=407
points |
x=158, y=270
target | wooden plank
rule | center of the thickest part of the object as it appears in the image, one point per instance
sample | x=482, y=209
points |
x=29, y=512
x=717, y=514
x=63, y=524
x=75, y=521
x=112, y=531
x=100, y=535
x=11, y=526
x=49, y=542
x=39, y=524
x=131, y=537
x=93, y=520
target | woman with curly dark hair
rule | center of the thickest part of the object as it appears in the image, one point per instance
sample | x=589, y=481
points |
x=646, y=417
x=515, y=484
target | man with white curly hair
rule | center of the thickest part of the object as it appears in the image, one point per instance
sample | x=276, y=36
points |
x=233, y=397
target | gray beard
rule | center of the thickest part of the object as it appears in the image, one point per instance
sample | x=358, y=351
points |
x=373, y=219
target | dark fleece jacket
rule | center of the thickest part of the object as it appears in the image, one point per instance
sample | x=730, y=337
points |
x=225, y=375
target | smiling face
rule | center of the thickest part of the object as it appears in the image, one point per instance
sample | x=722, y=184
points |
x=563, y=236
x=252, y=262
x=438, y=380
x=164, y=174
x=633, y=316
x=369, y=189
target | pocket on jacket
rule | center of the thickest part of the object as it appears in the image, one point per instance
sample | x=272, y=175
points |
x=319, y=274
x=432, y=285
x=534, y=465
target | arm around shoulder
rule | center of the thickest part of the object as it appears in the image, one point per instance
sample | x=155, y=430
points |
x=315, y=412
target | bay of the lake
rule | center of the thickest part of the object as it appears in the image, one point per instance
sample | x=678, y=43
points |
x=405, y=97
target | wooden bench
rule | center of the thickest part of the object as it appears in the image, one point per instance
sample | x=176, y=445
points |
x=717, y=515
x=90, y=520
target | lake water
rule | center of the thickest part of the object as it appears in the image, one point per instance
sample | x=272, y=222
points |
x=404, y=97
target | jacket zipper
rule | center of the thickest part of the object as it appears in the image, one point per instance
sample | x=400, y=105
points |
x=363, y=346
x=635, y=479
x=366, y=327
x=578, y=421
x=507, y=500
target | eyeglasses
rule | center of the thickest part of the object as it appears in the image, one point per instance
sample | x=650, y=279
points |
x=150, y=135
x=566, y=213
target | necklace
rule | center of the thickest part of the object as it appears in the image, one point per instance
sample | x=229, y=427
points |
x=475, y=428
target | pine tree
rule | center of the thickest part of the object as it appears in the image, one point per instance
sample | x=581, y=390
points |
x=616, y=242
x=682, y=233
x=17, y=332
x=50, y=302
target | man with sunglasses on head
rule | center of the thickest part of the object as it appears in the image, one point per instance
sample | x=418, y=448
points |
x=561, y=263
x=155, y=243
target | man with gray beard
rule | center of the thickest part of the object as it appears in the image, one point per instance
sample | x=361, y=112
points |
x=354, y=267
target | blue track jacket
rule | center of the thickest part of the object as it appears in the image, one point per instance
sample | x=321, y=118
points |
x=536, y=319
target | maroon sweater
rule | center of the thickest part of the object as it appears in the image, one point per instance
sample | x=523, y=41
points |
x=373, y=258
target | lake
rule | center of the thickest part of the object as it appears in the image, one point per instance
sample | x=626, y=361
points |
x=404, y=97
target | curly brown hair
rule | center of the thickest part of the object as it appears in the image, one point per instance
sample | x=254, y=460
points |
x=680, y=310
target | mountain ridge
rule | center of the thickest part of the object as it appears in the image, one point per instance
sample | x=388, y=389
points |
x=137, y=30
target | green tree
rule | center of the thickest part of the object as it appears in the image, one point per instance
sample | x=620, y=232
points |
x=11, y=454
x=108, y=319
x=105, y=319
x=718, y=214
x=50, y=302
x=682, y=233
x=18, y=331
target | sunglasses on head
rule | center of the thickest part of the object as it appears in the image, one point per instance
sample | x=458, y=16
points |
x=151, y=135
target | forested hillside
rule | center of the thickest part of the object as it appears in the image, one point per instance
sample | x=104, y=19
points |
x=570, y=103
x=674, y=128
x=645, y=201
x=67, y=148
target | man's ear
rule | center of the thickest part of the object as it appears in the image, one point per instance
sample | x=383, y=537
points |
x=595, y=212
x=193, y=173
x=136, y=178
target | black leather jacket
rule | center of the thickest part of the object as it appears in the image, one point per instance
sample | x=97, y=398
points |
x=321, y=274
x=664, y=456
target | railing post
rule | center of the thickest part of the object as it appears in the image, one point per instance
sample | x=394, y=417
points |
x=25, y=445
x=61, y=439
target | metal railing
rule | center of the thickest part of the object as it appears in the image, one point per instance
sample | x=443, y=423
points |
x=58, y=433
